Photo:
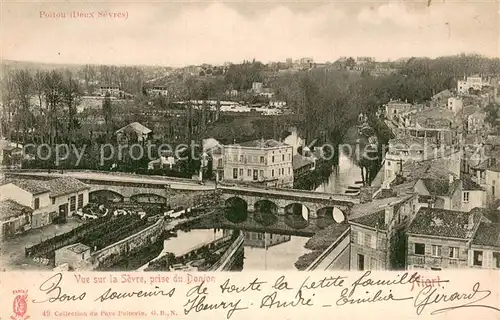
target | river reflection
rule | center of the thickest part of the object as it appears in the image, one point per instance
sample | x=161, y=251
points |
x=346, y=175
x=266, y=251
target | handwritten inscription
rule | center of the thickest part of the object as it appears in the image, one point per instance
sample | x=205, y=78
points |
x=429, y=296
x=233, y=297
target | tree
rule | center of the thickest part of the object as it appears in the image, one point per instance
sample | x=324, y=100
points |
x=107, y=111
x=350, y=63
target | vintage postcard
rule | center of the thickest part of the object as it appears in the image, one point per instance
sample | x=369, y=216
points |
x=250, y=159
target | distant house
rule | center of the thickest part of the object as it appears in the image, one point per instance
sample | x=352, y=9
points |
x=11, y=154
x=157, y=91
x=453, y=194
x=394, y=107
x=455, y=104
x=113, y=91
x=476, y=122
x=439, y=238
x=474, y=82
x=133, y=132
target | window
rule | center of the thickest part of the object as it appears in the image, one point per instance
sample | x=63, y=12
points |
x=273, y=159
x=241, y=172
x=289, y=170
x=261, y=173
x=289, y=157
x=361, y=262
x=37, y=203
x=72, y=203
x=373, y=242
x=219, y=163
x=436, y=251
x=373, y=263
x=249, y=172
x=272, y=173
x=282, y=171
x=80, y=201
x=493, y=191
x=419, y=248
x=235, y=158
x=53, y=200
x=361, y=238
x=368, y=240
x=466, y=196
x=242, y=158
x=255, y=174
x=388, y=163
x=478, y=258
x=283, y=157
x=453, y=253
x=235, y=173
x=261, y=159
x=496, y=259
x=259, y=236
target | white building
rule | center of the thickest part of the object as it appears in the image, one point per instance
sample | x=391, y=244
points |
x=260, y=161
x=157, y=91
x=455, y=104
x=114, y=91
x=474, y=82
x=57, y=197
x=257, y=87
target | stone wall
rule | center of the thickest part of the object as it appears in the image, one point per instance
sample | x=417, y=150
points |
x=111, y=254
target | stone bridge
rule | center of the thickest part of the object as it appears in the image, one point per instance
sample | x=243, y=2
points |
x=266, y=206
x=282, y=200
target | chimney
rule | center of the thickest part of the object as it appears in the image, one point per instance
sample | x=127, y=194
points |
x=389, y=213
x=451, y=178
x=470, y=223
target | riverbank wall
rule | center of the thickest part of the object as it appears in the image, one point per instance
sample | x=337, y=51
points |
x=111, y=254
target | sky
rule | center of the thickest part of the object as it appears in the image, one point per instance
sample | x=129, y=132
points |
x=178, y=33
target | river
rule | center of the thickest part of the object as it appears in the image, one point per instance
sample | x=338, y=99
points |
x=265, y=251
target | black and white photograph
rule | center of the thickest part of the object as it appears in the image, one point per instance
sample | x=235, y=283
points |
x=248, y=136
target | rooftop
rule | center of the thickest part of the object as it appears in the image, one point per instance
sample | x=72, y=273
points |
x=360, y=212
x=432, y=169
x=469, y=185
x=443, y=223
x=440, y=187
x=136, y=126
x=261, y=143
x=77, y=248
x=487, y=234
x=65, y=185
x=32, y=186
x=298, y=161
x=10, y=209
x=374, y=220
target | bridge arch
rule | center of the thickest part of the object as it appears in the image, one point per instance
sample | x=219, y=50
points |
x=329, y=215
x=236, y=209
x=148, y=198
x=265, y=212
x=297, y=215
x=103, y=196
